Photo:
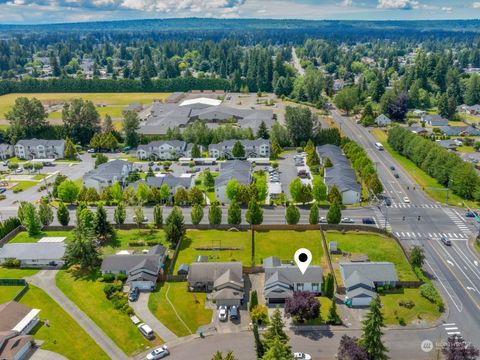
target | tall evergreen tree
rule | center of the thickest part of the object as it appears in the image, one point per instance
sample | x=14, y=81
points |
x=103, y=229
x=158, y=216
x=120, y=214
x=234, y=216
x=371, y=338
x=262, y=132
x=131, y=124
x=62, y=214
x=175, y=226
x=254, y=215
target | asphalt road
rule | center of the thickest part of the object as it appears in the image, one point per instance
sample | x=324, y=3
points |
x=455, y=269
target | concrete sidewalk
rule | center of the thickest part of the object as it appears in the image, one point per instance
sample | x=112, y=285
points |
x=143, y=312
x=45, y=280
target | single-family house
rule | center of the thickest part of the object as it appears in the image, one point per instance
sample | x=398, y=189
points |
x=135, y=107
x=383, y=120
x=107, y=174
x=418, y=130
x=341, y=174
x=447, y=144
x=236, y=169
x=472, y=110
x=16, y=322
x=361, y=279
x=418, y=112
x=142, y=270
x=29, y=149
x=460, y=131
x=259, y=148
x=434, y=120
x=223, y=279
x=165, y=150
x=6, y=151
x=41, y=254
x=282, y=280
x=173, y=182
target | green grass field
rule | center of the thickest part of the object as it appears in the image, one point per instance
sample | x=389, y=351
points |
x=88, y=295
x=64, y=335
x=189, y=306
x=325, y=304
x=283, y=244
x=8, y=293
x=423, y=311
x=378, y=248
x=423, y=179
x=16, y=273
x=209, y=238
x=115, y=102
x=24, y=185
x=23, y=237
x=126, y=236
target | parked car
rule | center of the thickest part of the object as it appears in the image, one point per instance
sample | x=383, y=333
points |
x=322, y=220
x=347, y=220
x=392, y=168
x=133, y=294
x=6, y=162
x=146, y=331
x=388, y=201
x=19, y=170
x=396, y=176
x=159, y=353
x=234, y=314
x=406, y=200
x=2, y=190
x=471, y=214
x=445, y=241
x=91, y=151
x=368, y=221
x=145, y=219
x=222, y=313
x=303, y=356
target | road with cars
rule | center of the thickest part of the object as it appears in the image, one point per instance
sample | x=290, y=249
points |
x=421, y=221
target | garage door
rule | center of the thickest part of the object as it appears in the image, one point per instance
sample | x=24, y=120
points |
x=276, y=301
x=142, y=285
x=361, y=301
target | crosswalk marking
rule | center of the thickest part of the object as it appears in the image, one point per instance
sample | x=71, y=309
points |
x=457, y=220
x=451, y=329
x=423, y=206
x=430, y=236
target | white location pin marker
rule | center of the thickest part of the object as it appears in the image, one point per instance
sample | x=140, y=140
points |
x=303, y=258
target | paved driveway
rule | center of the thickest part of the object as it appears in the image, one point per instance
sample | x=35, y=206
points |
x=40, y=354
x=288, y=172
x=143, y=312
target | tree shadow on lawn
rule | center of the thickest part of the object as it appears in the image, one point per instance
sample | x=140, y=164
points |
x=85, y=274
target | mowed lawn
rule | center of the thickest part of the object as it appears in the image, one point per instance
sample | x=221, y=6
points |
x=422, y=178
x=215, y=238
x=8, y=293
x=124, y=237
x=64, y=335
x=16, y=273
x=87, y=293
x=325, y=304
x=189, y=306
x=377, y=247
x=423, y=311
x=23, y=237
x=114, y=102
x=284, y=244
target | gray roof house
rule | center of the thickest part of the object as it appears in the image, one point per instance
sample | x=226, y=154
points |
x=173, y=182
x=6, y=151
x=418, y=130
x=164, y=150
x=159, y=117
x=282, y=280
x=142, y=269
x=460, y=131
x=382, y=120
x=107, y=174
x=225, y=279
x=253, y=148
x=236, y=169
x=34, y=254
x=361, y=278
x=447, y=144
x=340, y=174
x=29, y=149
x=434, y=120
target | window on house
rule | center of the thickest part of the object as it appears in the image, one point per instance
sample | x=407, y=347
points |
x=315, y=287
x=300, y=287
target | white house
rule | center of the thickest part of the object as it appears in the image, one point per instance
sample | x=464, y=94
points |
x=29, y=149
x=39, y=254
x=6, y=151
x=107, y=174
x=164, y=150
x=259, y=148
x=282, y=280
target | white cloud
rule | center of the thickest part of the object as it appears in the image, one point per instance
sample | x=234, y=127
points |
x=476, y=5
x=346, y=3
x=398, y=4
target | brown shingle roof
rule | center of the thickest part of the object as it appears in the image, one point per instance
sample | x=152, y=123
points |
x=11, y=313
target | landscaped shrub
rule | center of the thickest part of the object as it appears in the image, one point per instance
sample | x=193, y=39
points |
x=253, y=300
x=108, y=277
x=8, y=225
x=121, y=277
x=259, y=314
x=109, y=290
x=429, y=292
x=136, y=243
x=409, y=304
x=153, y=243
x=11, y=263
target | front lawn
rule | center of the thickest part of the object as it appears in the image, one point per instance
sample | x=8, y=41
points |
x=431, y=186
x=124, y=237
x=16, y=273
x=423, y=310
x=87, y=293
x=8, y=293
x=24, y=185
x=283, y=244
x=189, y=306
x=64, y=335
x=376, y=247
x=325, y=304
x=215, y=238
x=23, y=237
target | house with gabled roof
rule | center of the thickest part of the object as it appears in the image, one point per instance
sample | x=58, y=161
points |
x=107, y=174
x=29, y=149
x=253, y=148
x=236, y=169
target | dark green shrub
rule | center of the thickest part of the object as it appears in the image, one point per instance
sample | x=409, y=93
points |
x=121, y=277
x=108, y=277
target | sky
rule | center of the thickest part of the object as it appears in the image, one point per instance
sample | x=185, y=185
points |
x=55, y=11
